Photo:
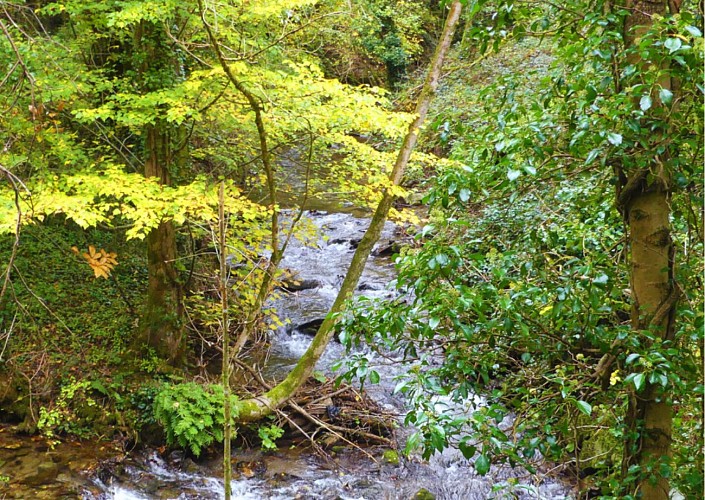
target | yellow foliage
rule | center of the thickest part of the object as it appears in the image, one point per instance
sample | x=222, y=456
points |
x=101, y=262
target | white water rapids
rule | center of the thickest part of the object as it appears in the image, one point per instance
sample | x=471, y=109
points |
x=291, y=475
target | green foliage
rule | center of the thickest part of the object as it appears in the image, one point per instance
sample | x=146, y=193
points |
x=62, y=417
x=373, y=41
x=520, y=289
x=192, y=415
x=269, y=434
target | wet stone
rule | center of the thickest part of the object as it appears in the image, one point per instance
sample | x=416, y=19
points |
x=309, y=327
x=45, y=473
x=251, y=469
x=295, y=285
x=176, y=457
x=190, y=466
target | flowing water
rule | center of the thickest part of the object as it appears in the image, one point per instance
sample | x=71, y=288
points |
x=319, y=267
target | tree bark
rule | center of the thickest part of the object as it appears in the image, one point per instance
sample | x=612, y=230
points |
x=645, y=201
x=258, y=407
x=652, y=286
x=161, y=323
x=161, y=327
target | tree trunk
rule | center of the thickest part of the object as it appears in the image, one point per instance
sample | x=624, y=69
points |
x=645, y=200
x=652, y=309
x=161, y=324
x=256, y=408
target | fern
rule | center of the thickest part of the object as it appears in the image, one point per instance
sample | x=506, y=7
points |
x=192, y=414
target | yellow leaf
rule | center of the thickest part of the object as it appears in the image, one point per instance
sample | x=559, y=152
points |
x=100, y=261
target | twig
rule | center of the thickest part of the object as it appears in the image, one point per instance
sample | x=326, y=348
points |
x=16, y=183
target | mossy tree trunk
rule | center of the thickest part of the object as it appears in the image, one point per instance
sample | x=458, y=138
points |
x=161, y=324
x=645, y=200
x=652, y=309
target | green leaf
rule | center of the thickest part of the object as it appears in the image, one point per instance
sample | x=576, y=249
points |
x=438, y=436
x=645, y=103
x=673, y=44
x=98, y=386
x=467, y=450
x=602, y=279
x=374, y=377
x=639, y=380
x=584, y=407
x=694, y=30
x=631, y=358
x=614, y=138
x=592, y=155
x=412, y=443
x=442, y=259
x=482, y=465
x=513, y=174
x=464, y=195
x=433, y=322
x=666, y=96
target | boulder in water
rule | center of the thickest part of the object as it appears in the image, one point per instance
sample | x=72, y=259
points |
x=387, y=249
x=296, y=285
x=45, y=473
x=310, y=327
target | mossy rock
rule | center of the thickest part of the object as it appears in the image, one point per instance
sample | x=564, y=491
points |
x=602, y=444
x=423, y=494
x=14, y=402
x=391, y=457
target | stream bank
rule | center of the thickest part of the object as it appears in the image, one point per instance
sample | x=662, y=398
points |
x=89, y=472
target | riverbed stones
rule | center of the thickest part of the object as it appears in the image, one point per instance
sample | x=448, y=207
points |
x=256, y=468
x=44, y=473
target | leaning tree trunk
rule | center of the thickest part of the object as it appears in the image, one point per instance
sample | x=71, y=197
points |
x=256, y=408
x=645, y=201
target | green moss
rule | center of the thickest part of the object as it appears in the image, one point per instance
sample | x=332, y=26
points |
x=423, y=494
x=391, y=457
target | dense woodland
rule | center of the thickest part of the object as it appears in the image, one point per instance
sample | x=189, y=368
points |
x=553, y=208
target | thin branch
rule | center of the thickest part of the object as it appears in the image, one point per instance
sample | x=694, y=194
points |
x=42, y=303
x=16, y=183
x=20, y=59
x=250, y=57
x=256, y=106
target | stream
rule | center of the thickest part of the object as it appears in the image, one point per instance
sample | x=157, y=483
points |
x=288, y=473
